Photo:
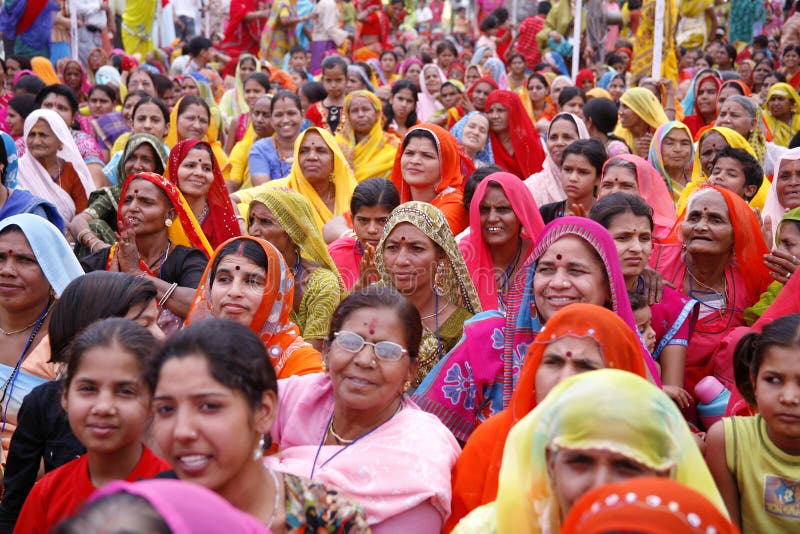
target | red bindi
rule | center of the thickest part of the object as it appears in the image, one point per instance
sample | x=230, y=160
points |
x=558, y=257
x=237, y=268
x=569, y=354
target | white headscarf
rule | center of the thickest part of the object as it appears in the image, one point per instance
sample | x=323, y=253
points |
x=772, y=206
x=427, y=103
x=35, y=178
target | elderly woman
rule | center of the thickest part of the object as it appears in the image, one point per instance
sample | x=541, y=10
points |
x=604, y=341
x=640, y=113
x=158, y=238
x=245, y=281
x=742, y=115
x=369, y=150
x=36, y=264
x=320, y=172
x=419, y=257
x=782, y=195
x=285, y=219
x=574, y=260
x=52, y=168
x=360, y=431
x=429, y=168
x=545, y=185
x=515, y=143
x=671, y=153
x=504, y=223
x=715, y=256
x=472, y=131
x=571, y=443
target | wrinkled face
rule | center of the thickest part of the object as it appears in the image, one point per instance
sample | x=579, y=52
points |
x=500, y=226
x=23, y=285
x=709, y=147
x=420, y=163
x=618, y=179
x=449, y=96
x=142, y=159
x=315, y=158
x=253, y=90
x=100, y=103
x=476, y=133
x=676, y=149
x=410, y=258
x=568, y=272
x=789, y=238
x=707, y=228
x=780, y=106
x=633, y=237
x=264, y=225
x=150, y=119
x=788, y=184
x=432, y=80
x=498, y=117
x=565, y=357
x=260, y=117
x=193, y=122
x=286, y=118
x=144, y=208
x=732, y=115
x=42, y=141
x=362, y=114
x=562, y=132
x=107, y=401
x=237, y=289
x=60, y=104
x=354, y=83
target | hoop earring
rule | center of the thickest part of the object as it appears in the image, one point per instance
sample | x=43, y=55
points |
x=406, y=386
x=438, y=279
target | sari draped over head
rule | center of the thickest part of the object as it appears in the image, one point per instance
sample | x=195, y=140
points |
x=477, y=378
x=220, y=222
x=654, y=192
x=458, y=287
x=287, y=351
x=783, y=132
x=746, y=278
x=528, y=154
x=42, y=67
x=36, y=179
x=476, y=473
x=608, y=77
x=485, y=156
x=656, y=156
x=241, y=36
x=184, y=230
x=135, y=141
x=635, y=420
x=373, y=156
x=695, y=120
x=688, y=100
x=211, y=137
x=545, y=185
x=584, y=75
x=455, y=166
x=233, y=103
x=474, y=249
x=484, y=79
x=646, y=106
x=625, y=506
x=104, y=59
x=772, y=206
x=108, y=75
x=342, y=178
x=497, y=70
x=734, y=140
x=406, y=64
x=427, y=103
x=61, y=67
x=293, y=212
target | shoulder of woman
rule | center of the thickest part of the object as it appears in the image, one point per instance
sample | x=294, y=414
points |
x=430, y=433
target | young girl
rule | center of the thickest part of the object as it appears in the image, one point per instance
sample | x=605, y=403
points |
x=107, y=401
x=329, y=112
x=755, y=460
x=581, y=167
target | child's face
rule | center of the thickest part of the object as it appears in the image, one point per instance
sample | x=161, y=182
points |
x=298, y=60
x=777, y=392
x=729, y=173
x=388, y=63
x=644, y=318
x=107, y=402
x=446, y=59
x=334, y=80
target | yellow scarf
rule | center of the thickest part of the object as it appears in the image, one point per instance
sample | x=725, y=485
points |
x=646, y=106
x=372, y=157
x=211, y=137
x=782, y=132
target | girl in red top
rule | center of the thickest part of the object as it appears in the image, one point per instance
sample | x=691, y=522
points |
x=107, y=399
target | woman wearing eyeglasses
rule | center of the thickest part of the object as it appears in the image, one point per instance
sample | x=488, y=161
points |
x=353, y=427
x=248, y=281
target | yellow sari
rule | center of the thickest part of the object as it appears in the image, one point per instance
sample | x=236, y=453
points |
x=342, y=178
x=734, y=140
x=646, y=106
x=372, y=157
x=642, y=64
x=634, y=419
x=211, y=137
x=782, y=132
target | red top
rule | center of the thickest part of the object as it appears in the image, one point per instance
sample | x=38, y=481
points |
x=526, y=42
x=62, y=491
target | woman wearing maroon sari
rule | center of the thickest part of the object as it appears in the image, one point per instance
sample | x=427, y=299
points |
x=515, y=142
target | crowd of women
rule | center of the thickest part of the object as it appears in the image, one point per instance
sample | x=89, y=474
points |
x=395, y=288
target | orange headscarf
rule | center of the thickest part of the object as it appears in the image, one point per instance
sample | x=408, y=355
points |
x=650, y=505
x=289, y=353
x=475, y=475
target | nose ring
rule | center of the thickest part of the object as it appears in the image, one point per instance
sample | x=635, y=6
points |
x=564, y=284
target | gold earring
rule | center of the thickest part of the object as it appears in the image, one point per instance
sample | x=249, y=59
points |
x=406, y=386
x=168, y=223
x=324, y=366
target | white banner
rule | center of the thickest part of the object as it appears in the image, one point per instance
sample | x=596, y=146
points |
x=658, y=39
x=576, y=40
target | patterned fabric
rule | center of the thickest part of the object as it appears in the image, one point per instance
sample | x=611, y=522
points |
x=321, y=296
x=656, y=156
x=313, y=508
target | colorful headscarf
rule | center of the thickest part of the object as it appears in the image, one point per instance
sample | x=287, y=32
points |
x=654, y=192
x=62, y=65
x=295, y=214
x=108, y=75
x=485, y=156
x=373, y=156
x=656, y=155
x=211, y=137
x=584, y=75
x=773, y=207
x=688, y=101
x=528, y=152
x=220, y=223
x=473, y=247
x=135, y=141
x=427, y=103
x=782, y=133
x=404, y=66
x=12, y=161
x=271, y=321
x=358, y=70
x=237, y=104
x=634, y=419
x=608, y=77
x=497, y=70
x=652, y=505
x=646, y=106
x=708, y=76
x=458, y=287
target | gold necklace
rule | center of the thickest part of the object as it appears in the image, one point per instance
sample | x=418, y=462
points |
x=6, y=333
x=437, y=312
x=721, y=294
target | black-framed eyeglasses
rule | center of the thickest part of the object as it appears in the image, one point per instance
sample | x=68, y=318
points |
x=384, y=350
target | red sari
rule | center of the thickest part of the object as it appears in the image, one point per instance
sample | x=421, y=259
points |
x=241, y=36
x=528, y=155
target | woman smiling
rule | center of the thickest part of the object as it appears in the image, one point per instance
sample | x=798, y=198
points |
x=369, y=149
